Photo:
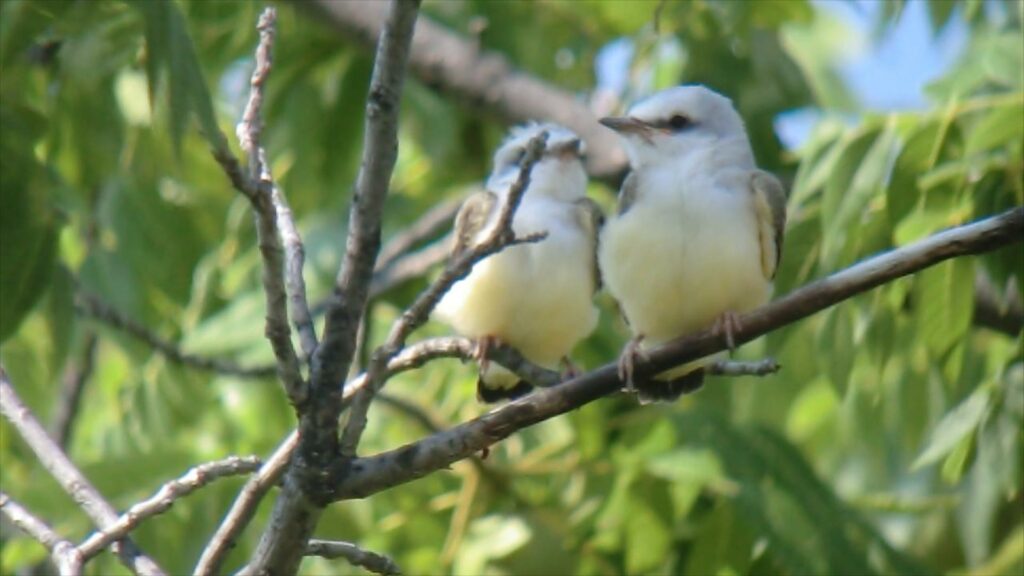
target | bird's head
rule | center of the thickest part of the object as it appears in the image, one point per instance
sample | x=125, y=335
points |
x=559, y=172
x=676, y=122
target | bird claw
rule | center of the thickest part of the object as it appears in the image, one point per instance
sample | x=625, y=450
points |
x=483, y=347
x=627, y=361
x=726, y=326
x=571, y=370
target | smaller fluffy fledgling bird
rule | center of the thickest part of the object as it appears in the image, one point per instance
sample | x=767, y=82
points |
x=536, y=297
x=697, y=237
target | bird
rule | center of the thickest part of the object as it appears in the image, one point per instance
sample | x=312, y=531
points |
x=535, y=297
x=697, y=235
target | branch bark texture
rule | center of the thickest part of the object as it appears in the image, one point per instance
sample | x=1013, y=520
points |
x=298, y=508
x=69, y=477
x=372, y=474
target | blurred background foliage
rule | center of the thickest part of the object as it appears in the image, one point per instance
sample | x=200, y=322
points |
x=889, y=443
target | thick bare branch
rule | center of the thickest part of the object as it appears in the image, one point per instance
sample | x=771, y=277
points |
x=319, y=432
x=455, y=66
x=300, y=503
x=63, y=553
x=500, y=237
x=244, y=507
x=367, y=476
x=91, y=306
x=372, y=561
x=69, y=477
x=170, y=492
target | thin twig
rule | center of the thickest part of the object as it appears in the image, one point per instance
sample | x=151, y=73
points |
x=68, y=476
x=500, y=237
x=63, y=553
x=372, y=561
x=371, y=475
x=159, y=502
x=91, y=306
x=244, y=507
x=762, y=367
x=76, y=374
x=428, y=226
x=410, y=266
x=261, y=196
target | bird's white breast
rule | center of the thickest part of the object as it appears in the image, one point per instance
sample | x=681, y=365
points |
x=686, y=252
x=536, y=297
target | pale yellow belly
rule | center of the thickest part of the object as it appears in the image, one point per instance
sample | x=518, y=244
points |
x=536, y=298
x=675, y=274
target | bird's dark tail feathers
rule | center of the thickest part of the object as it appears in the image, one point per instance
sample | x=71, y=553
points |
x=491, y=394
x=669, y=390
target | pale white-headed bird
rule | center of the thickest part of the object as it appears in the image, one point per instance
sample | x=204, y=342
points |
x=697, y=236
x=535, y=297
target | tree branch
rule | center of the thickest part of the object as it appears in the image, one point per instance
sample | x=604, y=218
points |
x=300, y=503
x=69, y=477
x=455, y=66
x=63, y=553
x=76, y=374
x=372, y=561
x=158, y=503
x=244, y=508
x=260, y=192
x=370, y=475
x=500, y=237
x=319, y=432
x=91, y=306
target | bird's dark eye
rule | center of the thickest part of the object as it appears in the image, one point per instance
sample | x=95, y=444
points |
x=678, y=122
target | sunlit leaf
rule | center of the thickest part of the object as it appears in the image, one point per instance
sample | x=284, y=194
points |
x=958, y=424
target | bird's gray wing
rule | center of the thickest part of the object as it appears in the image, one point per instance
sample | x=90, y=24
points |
x=590, y=219
x=471, y=218
x=770, y=209
x=628, y=193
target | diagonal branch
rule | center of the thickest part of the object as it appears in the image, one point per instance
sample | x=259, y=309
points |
x=500, y=237
x=455, y=66
x=63, y=553
x=89, y=305
x=370, y=475
x=76, y=375
x=69, y=477
x=244, y=508
x=170, y=492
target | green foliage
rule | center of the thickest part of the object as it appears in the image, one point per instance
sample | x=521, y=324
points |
x=890, y=442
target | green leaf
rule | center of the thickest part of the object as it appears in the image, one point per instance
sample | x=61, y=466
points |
x=724, y=544
x=28, y=230
x=943, y=303
x=170, y=49
x=999, y=126
x=648, y=537
x=955, y=426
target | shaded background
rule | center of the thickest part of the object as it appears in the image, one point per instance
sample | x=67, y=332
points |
x=889, y=443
